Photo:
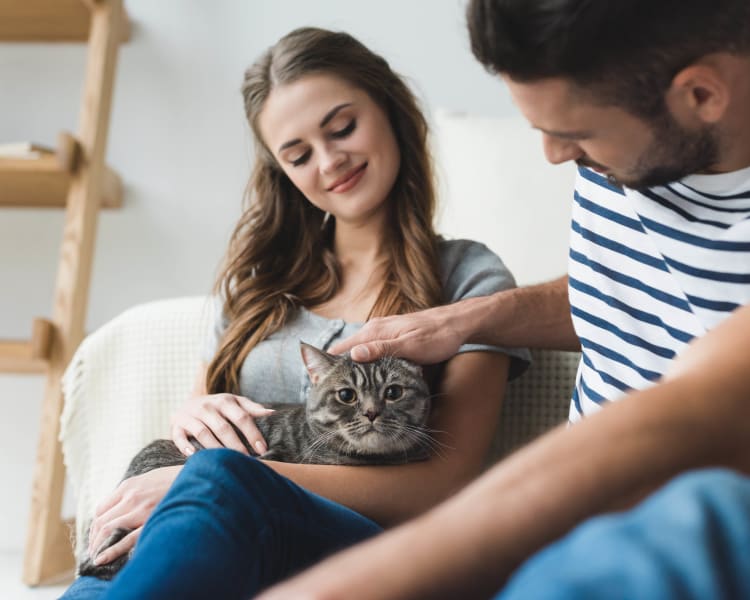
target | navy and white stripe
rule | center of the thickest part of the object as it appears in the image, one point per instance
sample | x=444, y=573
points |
x=649, y=271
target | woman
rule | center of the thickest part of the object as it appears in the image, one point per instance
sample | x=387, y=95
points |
x=338, y=230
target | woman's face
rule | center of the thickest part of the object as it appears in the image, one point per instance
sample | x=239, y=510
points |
x=334, y=143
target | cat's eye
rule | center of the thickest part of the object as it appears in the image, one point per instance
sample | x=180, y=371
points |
x=393, y=392
x=347, y=395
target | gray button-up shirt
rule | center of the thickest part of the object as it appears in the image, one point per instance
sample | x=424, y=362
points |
x=274, y=372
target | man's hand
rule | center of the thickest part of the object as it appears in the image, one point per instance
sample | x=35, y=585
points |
x=536, y=316
x=425, y=337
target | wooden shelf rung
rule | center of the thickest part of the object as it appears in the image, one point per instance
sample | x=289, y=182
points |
x=42, y=183
x=42, y=331
x=50, y=20
x=17, y=356
x=68, y=152
x=112, y=189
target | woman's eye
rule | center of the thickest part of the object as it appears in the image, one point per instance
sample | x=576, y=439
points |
x=393, y=392
x=342, y=133
x=301, y=160
x=347, y=395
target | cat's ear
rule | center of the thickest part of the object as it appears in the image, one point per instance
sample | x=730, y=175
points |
x=317, y=362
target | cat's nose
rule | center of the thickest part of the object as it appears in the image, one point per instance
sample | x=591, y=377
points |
x=371, y=414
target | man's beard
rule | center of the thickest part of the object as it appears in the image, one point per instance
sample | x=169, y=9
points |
x=675, y=153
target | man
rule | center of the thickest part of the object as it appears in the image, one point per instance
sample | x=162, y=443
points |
x=652, y=100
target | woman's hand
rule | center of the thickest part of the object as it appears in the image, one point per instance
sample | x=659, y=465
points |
x=209, y=420
x=128, y=507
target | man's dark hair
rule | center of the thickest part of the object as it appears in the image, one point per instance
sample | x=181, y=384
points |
x=623, y=52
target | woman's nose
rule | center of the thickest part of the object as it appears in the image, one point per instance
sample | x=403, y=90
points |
x=559, y=151
x=331, y=160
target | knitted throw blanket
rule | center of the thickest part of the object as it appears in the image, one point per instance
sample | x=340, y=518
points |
x=121, y=387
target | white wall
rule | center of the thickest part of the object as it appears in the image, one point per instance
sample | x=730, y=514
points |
x=179, y=140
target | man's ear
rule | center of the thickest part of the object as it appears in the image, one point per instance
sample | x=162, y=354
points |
x=700, y=92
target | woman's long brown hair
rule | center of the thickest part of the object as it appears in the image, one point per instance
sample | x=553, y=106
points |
x=280, y=255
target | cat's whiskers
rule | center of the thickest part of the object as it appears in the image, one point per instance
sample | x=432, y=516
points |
x=420, y=436
x=320, y=441
x=324, y=439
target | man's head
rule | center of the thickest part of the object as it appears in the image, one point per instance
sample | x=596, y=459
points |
x=639, y=89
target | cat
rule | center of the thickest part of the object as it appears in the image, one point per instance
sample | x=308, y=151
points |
x=355, y=414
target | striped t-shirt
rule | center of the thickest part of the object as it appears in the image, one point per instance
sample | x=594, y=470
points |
x=649, y=271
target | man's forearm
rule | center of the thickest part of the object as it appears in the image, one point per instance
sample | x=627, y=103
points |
x=469, y=545
x=695, y=418
x=536, y=316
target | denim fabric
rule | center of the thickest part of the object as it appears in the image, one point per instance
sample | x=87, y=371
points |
x=690, y=540
x=228, y=527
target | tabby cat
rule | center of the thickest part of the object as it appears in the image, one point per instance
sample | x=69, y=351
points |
x=355, y=414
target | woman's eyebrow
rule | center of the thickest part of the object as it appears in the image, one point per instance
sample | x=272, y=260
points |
x=289, y=144
x=332, y=113
x=324, y=121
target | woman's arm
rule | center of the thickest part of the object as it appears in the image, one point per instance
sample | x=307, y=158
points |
x=465, y=413
x=537, y=316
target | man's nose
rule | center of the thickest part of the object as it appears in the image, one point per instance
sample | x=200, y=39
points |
x=559, y=151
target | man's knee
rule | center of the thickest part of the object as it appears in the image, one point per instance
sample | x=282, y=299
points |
x=668, y=543
x=718, y=494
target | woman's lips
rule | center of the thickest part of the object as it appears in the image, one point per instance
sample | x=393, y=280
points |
x=349, y=180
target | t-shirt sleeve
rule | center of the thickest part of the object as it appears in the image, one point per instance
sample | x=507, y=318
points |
x=470, y=269
x=217, y=324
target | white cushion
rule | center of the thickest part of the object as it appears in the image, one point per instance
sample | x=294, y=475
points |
x=497, y=187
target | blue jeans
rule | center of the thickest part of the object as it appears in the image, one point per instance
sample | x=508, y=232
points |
x=228, y=527
x=690, y=540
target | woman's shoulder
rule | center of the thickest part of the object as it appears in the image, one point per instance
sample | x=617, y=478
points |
x=469, y=268
x=460, y=254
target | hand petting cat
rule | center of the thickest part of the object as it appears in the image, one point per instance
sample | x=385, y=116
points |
x=209, y=419
x=425, y=337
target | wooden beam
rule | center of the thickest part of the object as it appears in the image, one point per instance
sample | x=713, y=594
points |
x=48, y=550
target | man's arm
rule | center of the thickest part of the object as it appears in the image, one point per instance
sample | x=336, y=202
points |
x=536, y=317
x=469, y=545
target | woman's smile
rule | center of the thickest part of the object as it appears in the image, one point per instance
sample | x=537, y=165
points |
x=348, y=180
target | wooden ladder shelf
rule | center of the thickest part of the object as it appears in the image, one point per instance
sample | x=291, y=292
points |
x=73, y=177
